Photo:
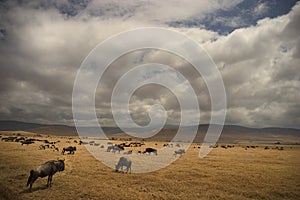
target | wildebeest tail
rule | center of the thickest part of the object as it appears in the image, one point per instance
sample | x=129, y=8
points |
x=30, y=177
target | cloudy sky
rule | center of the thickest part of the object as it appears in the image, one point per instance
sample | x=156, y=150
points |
x=255, y=45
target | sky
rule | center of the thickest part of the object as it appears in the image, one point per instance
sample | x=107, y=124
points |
x=255, y=45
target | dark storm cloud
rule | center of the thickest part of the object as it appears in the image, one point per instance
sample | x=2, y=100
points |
x=42, y=44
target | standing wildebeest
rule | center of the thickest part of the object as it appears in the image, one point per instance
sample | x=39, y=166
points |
x=124, y=162
x=115, y=148
x=179, y=152
x=47, y=169
x=118, y=148
x=27, y=142
x=109, y=148
x=150, y=150
x=70, y=149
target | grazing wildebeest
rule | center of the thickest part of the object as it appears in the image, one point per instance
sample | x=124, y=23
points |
x=115, y=148
x=118, y=148
x=136, y=144
x=27, y=142
x=9, y=139
x=213, y=146
x=109, y=148
x=5, y=139
x=150, y=150
x=179, y=152
x=124, y=162
x=47, y=169
x=70, y=149
x=20, y=139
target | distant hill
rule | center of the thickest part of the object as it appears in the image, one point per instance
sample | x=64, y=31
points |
x=230, y=133
x=17, y=126
x=49, y=129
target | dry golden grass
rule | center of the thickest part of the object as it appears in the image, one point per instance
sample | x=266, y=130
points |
x=233, y=173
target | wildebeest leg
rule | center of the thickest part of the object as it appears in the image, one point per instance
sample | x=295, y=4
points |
x=49, y=181
x=31, y=179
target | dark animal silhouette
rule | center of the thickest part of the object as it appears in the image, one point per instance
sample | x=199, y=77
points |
x=47, y=169
x=70, y=149
x=27, y=142
x=179, y=152
x=115, y=148
x=124, y=162
x=150, y=150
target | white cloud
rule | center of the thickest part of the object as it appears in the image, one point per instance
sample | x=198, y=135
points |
x=43, y=49
x=260, y=9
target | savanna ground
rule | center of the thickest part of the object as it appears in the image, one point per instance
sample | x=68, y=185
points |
x=233, y=173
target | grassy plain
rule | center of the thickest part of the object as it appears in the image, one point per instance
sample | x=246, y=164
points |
x=233, y=173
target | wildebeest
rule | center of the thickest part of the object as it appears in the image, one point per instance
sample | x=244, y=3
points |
x=115, y=148
x=179, y=152
x=150, y=150
x=124, y=162
x=136, y=144
x=47, y=169
x=213, y=146
x=70, y=149
x=27, y=142
x=9, y=139
x=109, y=148
x=19, y=139
x=168, y=145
